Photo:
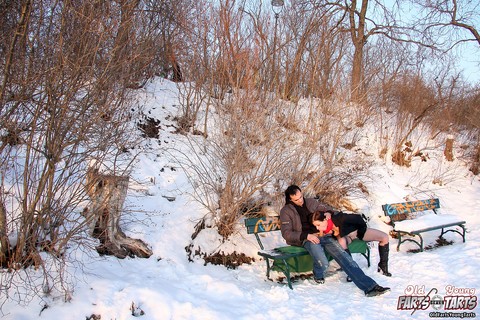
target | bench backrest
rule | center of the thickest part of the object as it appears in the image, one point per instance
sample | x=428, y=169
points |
x=403, y=210
x=261, y=225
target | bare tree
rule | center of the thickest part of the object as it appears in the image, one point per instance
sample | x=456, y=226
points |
x=311, y=52
x=456, y=21
x=63, y=106
x=172, y=25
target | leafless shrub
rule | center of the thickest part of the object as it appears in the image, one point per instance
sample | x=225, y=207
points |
x=64, y=87
x=231, y=169
x=253, y=154
x=191, y=98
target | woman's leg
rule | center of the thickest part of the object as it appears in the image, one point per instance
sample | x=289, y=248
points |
x=376, y=235
x=383, y=248
x=343, y=242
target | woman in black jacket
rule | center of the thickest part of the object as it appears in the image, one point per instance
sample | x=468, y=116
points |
x=352, y=226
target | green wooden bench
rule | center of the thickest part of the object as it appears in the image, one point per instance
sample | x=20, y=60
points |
x=288, y=259
x=411, y=219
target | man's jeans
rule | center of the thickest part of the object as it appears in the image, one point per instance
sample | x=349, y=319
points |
x=346, y=262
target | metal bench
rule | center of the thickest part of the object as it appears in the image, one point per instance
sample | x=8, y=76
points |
x=288, y=259
x=409, y=225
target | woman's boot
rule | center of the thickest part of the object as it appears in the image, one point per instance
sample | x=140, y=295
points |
x=383, y=264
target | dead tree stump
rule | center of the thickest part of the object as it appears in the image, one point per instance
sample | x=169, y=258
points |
x=448, y=152
x=475, y=166
x=107, y=193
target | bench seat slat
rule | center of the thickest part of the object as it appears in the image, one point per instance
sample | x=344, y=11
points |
x=277, y=254
x=428, y=222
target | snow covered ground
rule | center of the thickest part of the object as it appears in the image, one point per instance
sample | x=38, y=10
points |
x=168, y=286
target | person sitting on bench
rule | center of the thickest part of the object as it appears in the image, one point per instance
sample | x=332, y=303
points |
x=352, y=226
x=298, y=230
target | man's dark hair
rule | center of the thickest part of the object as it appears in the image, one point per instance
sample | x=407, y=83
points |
x=290, y=191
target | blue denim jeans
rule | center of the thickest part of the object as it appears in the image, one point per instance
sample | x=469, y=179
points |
x=346, y=262
x=320, y=261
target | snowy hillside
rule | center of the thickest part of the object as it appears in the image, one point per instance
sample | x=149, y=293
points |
x=161, y=211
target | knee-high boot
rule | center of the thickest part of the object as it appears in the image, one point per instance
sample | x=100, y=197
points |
x=383, y=264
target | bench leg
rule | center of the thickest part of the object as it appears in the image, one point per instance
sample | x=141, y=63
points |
x=285, y=269
x=367, y=256
x=420, y=243
x=399, y=237
x=286, y=272
x=268, y=267
x=462, y=234
x=400, y=241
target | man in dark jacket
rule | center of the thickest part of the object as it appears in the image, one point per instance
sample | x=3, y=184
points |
x=298, y=230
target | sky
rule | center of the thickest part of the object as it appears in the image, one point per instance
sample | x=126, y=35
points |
x=167, y=285
x=469, y=62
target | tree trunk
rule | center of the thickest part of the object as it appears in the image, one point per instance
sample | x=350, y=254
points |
x=475, y=166
x=4, y=244
x=108, y=193
x=359, y=38
x=357, y=88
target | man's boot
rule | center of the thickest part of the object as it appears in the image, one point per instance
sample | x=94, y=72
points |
x=383, y=264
